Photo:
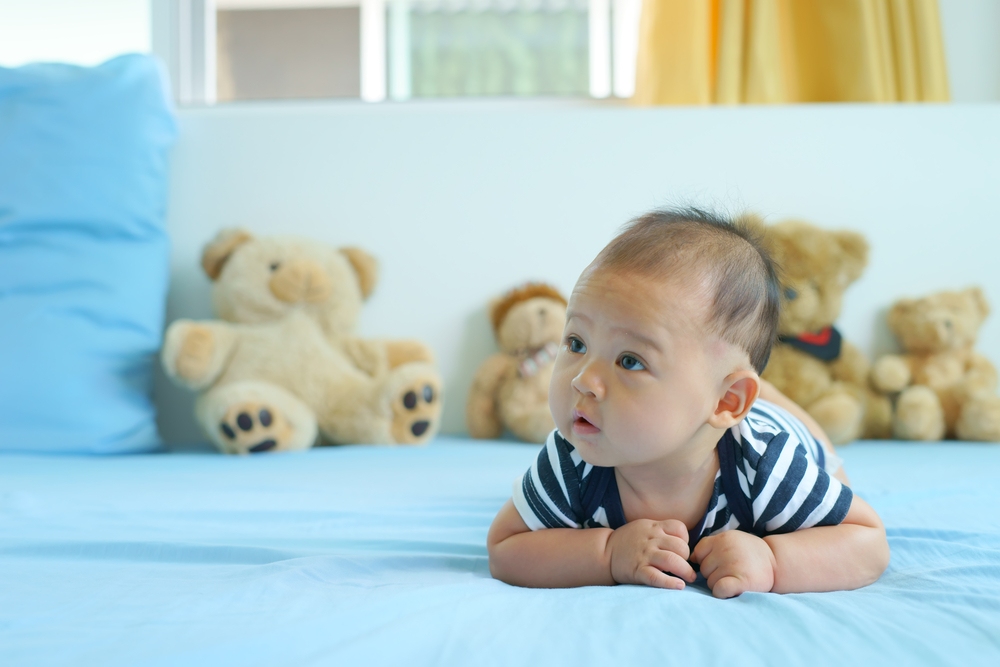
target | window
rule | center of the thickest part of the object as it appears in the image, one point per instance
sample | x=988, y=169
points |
x=230, y=50
x=82, y=33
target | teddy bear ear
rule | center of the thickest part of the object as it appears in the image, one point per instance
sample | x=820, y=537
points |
x=855, y=247
x=979, y=299
x=899, y=312
x=365, y=266
x=218, y=250
x=753, y=223
x=493, y=309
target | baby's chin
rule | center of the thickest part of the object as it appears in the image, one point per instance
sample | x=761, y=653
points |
x=589, y=451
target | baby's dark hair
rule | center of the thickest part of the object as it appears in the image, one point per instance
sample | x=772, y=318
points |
x=672, y=243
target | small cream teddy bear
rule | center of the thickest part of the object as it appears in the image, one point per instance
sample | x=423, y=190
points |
x=283, y=367
x=511, y=388
x=946, y=389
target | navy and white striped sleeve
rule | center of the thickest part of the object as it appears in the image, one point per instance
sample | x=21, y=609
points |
x=788, y=490
x=548, y=494
x=784, y=420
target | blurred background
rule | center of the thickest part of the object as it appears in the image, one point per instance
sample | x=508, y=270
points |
x=670, y=51
x=507, y=140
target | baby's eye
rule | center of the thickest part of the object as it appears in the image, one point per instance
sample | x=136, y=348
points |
x=630, y=363
x=576, y=345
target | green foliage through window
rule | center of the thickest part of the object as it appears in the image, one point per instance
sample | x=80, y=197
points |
x=498, y=48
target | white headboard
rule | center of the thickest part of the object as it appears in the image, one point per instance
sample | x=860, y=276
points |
x=463, y=200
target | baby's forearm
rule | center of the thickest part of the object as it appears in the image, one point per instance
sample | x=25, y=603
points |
x=553, y=558
x=828, y=558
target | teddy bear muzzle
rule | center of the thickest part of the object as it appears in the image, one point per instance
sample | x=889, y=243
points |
x=300, y=280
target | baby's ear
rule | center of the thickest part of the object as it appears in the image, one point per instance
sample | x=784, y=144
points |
x=365, y=266
x=218, y=250
x=742, y=389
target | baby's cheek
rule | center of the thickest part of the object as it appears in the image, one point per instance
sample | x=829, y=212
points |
x=560, y=388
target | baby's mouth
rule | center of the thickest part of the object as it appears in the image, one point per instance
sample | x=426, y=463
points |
x=582, y=425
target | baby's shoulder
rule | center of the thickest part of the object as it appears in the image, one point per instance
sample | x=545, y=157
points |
x=768, y=424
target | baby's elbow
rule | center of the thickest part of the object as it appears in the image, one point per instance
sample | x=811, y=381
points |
x=884, y=555
x=878, y=561
x=499, y=567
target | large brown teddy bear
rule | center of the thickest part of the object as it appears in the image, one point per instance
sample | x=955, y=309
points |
x=283, y=366
x=947, y=389
x=811, y=363
x=511, y=388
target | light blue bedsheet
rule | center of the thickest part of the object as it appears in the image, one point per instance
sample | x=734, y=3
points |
x=376, y=555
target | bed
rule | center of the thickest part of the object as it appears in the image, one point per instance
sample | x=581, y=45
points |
x=113, y=554
x=376, y=556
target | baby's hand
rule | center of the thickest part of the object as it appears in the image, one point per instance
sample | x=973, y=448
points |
x=735, y=562
x=642, y=550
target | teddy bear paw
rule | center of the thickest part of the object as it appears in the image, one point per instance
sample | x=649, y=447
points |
x=919, y=415
x=252, y=428
x=417, y=411
x=980, y=420
x=840, y=416
x=195, y=354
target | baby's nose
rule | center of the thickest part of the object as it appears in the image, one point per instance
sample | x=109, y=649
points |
x=589, y=382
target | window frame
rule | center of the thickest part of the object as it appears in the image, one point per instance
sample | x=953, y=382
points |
x=184, y=38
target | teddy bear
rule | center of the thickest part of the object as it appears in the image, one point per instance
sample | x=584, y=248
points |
x=511, y=389
x=282, y=368
x=811, y=363
x=945, y=388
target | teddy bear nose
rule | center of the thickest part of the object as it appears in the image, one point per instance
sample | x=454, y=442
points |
x=300, y=280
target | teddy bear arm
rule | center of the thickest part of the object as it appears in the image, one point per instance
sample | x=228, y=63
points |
x=405, y=351
x=851, y=366
x=368, y=355
x=891, y=373
x=196, y=353
x=980, y=375
x=802, y=380
x=481, y=413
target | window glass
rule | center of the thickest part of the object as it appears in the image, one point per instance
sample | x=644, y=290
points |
x=495, y=48
x=83, y=32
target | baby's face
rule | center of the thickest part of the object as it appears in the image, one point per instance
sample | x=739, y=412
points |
x=637, y=374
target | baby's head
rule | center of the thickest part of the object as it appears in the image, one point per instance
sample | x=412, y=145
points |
x=667, y=331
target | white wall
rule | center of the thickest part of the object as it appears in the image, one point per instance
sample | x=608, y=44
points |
x=462, y=201
x=972, y=48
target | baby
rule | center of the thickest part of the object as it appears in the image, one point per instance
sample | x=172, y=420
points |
x=666, y=451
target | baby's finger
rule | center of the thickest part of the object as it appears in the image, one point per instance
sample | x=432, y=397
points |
x=674, y=544
x=651, y=576
x=668, y=561
x=675, y=528
x=703, y=549
x=728, y=587
x=708, y=567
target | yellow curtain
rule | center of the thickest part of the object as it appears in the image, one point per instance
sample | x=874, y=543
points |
x=779, y=51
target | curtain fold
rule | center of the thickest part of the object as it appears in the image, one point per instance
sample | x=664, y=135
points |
x=782, y=51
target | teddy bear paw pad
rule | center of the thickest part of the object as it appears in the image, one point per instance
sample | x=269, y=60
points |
x=415, y=413
x=251, y=428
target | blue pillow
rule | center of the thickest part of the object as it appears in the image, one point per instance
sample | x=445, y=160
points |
x=83, y=254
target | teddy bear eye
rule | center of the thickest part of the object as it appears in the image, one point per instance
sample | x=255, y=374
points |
x=275, y=265
x=790, y=294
